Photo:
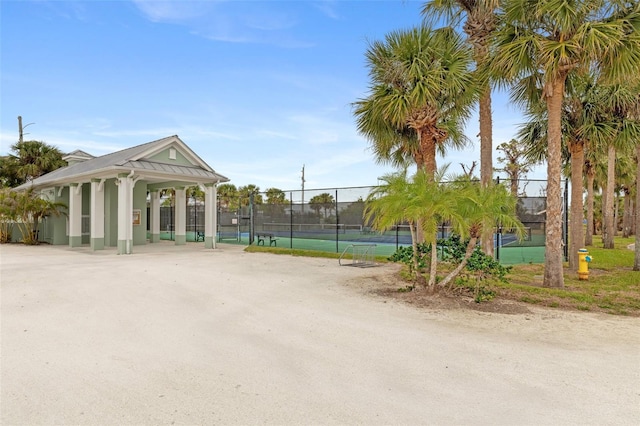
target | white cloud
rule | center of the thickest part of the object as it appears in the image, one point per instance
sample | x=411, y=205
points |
x=175, y=11
x=228, y=21
x=328, y=8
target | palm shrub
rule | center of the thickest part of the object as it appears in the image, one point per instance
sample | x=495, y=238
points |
x=469, y=207
x=420, y=200
x=480, y=209
x=30, y=208
x=8, y=214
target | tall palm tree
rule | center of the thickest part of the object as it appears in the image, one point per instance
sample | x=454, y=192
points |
x=634, y=113
x=228, y=196
x=621, y=103
x=246, y=192
x=636, y=262
x=29, y=160
x=275, y=196
x=480, y=23
x=421, y=92
x=592, y=165
x=538, y=43
x=324, y=201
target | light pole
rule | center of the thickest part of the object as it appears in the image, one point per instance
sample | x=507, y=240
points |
x=21, y=128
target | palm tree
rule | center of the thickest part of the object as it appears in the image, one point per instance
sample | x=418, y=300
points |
x=31, y=159
x=228, y=196
x=636, y=262
x=246, y=192
x=481, y=22
x=275, y=196
x=538, y=44
x=586, y=126
x=634, y=113
x=621, y=103
x=323, y=201
x=423, y=201
x=8, y=213
x=591, y=164
x=481, y=207
x=30, y=209
x=421, y=92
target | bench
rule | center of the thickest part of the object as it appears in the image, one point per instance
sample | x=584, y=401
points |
x=261, y=236
x=199, y=236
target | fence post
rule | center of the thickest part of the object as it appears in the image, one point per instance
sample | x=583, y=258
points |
x=251, y=223
x=337, y=224
x=291, y=219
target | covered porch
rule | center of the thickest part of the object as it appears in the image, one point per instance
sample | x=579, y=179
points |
x=108, y=196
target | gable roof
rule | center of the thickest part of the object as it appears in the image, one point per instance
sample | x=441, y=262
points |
x=133, y=159
x=78, y=153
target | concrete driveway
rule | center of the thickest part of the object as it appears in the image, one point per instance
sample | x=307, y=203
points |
x=181, y=335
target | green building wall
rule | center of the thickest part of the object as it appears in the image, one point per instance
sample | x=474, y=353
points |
x=163, y=157
x=56, y=229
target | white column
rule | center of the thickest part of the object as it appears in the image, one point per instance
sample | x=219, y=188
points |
x=97, y=214
x=125, y=214
x=181, y=215
x=75, y=215
x=154, y=211
x=210, y=215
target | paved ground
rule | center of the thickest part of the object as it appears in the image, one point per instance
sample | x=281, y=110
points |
x=187, y=336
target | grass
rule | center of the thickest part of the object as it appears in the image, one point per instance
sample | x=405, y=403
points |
x=306, y=253
x=613, y=287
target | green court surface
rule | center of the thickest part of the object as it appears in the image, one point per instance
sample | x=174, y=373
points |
x=511, y=254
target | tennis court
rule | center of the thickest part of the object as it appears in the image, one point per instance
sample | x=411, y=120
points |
x=510, y=251
x=316, y=220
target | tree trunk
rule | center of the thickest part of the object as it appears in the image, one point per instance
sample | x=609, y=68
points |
x=429, y=154
x=588, y=239
x=434, y=264
x=607, y=200
x=416, y=256
x=634, y=213
x=514, y=187
x=626, y=215
x=616, y=213
x=636, y=262
x=486, y=157
x=553, y=272
x=467, y=254
x=576, y=230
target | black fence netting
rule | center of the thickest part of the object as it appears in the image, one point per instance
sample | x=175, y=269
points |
x=333, y=219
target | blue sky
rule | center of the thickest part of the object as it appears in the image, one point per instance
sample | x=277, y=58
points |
x=257, y=88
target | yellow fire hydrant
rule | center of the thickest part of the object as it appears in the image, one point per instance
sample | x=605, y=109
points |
x=583, y=264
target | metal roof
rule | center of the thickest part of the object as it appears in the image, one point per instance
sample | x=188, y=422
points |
x=127, y=160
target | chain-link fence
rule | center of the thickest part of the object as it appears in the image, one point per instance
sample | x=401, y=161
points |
x=195, y=216
x=332, y=219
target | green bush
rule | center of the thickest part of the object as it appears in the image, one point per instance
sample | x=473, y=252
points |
x=480, y=267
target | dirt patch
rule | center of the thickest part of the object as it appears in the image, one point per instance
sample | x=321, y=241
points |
x=390, y=286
